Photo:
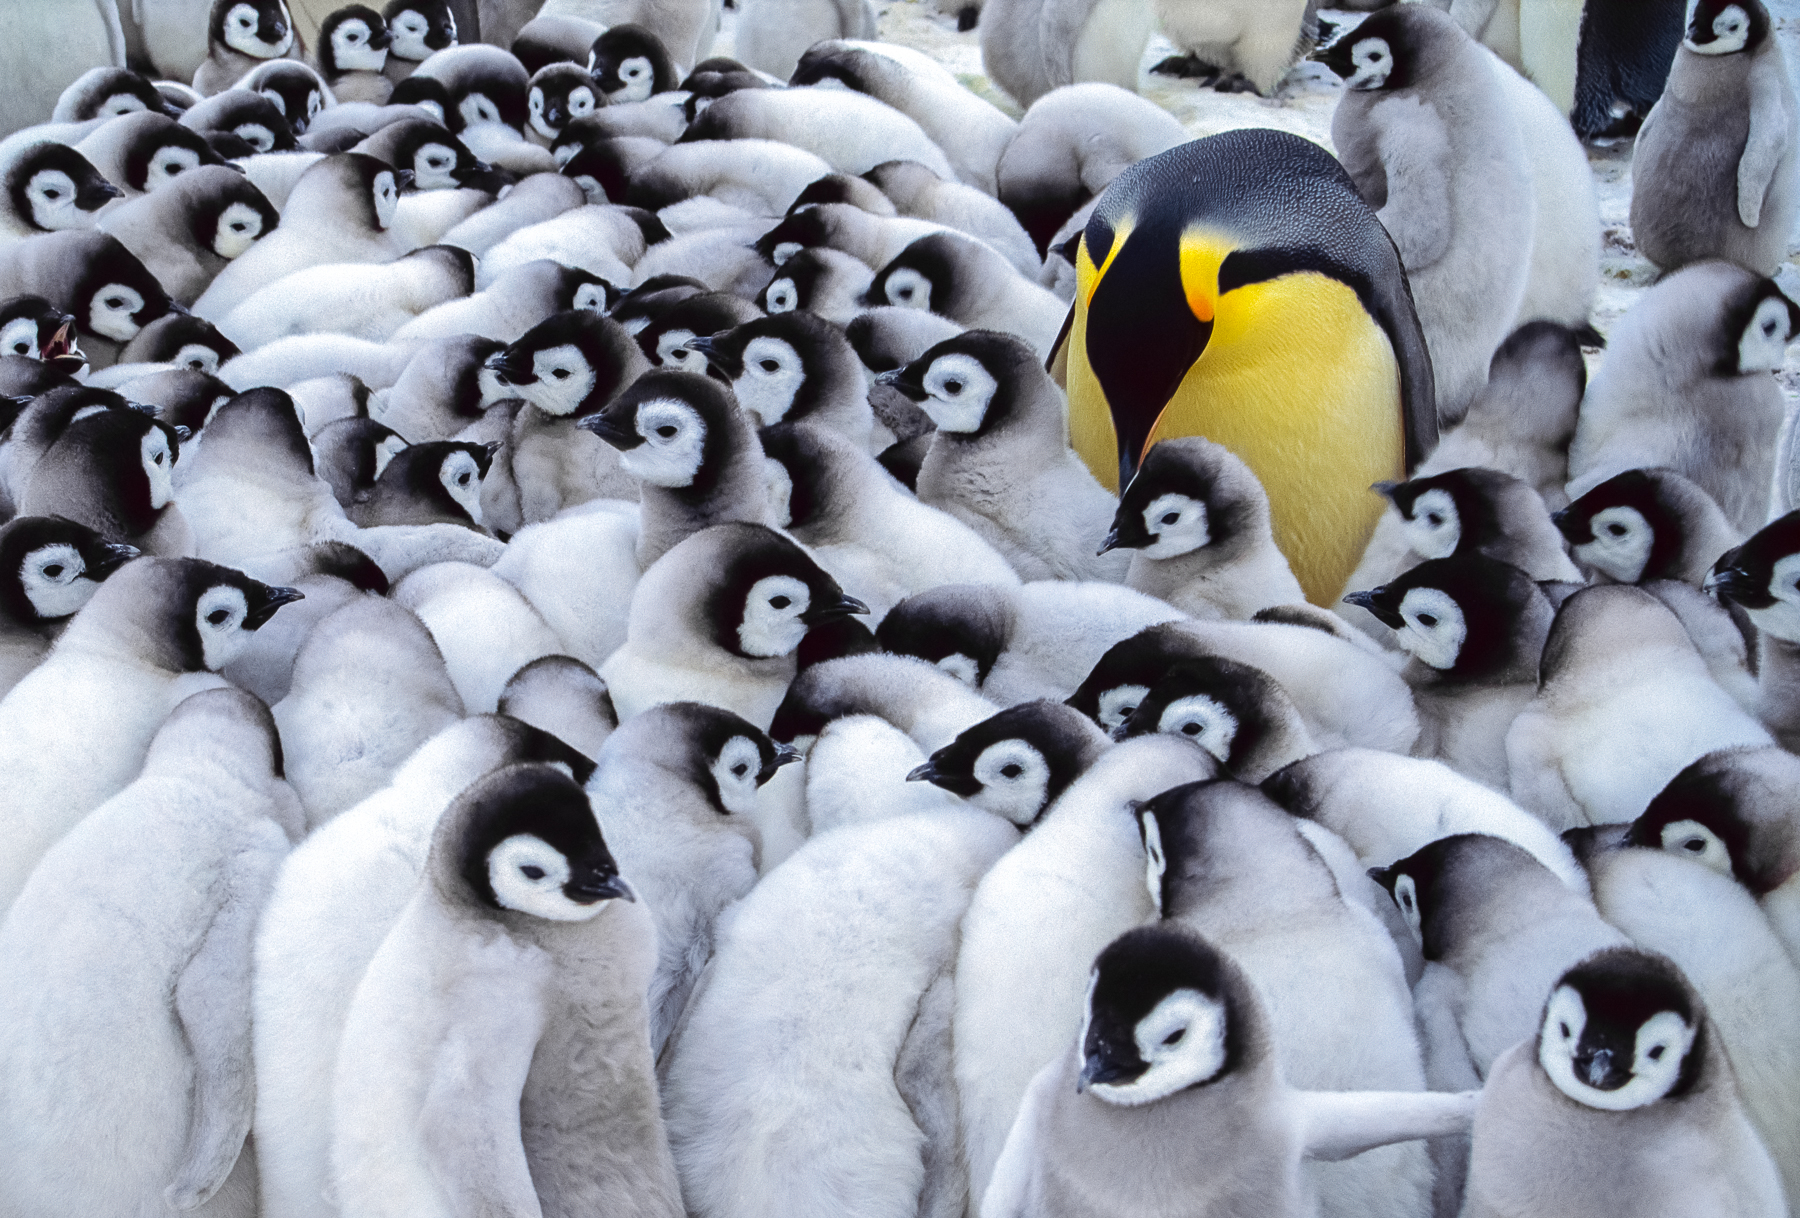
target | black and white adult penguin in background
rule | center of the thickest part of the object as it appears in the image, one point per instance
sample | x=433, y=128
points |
x=1029, y=47
x=240, y=35
x=1239, y=287
x=1425, y=128
x=1715, y=172
x=48, y=46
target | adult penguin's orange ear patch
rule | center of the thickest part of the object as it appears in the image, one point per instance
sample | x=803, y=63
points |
x=1141, y=336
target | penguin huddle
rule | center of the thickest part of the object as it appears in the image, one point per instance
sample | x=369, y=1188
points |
x=588, y=627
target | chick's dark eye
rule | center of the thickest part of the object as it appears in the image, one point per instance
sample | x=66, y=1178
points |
x=1693, y=845
x=217, y=617
x=1565, y=1029
x=53, y=194
x=666, y=431
x=531, y=872
x=1427, y=621
x=1011, y=770
x=114, y=302
x=561, y=374
x=1171, y=518
x=1175, y=1036
x=53, y=570
x=952, y=386
x=779, y=602
x=1655, y=1054
x=1617, y=530
x=768, y=365
x=1191, y=729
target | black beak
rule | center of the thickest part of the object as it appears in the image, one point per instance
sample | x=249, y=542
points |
x=272, y=599
x=555, y=117
x=598, y=888
x=403, y=178
x=845, y=606
x=179, y=309
x=924, y=773
x=110, y=556
x=785, y=754
x=381, y=39
x=97, y=194
x=1733, y=584
x=1110, y=542
x=716, y=355
x=1384, y=489
x=511, y=367
x=1096, y=1069
x=611, y=430
x=899, y=379
x=1386, y=616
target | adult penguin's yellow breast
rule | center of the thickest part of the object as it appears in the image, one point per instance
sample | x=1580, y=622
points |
x=1302, y=384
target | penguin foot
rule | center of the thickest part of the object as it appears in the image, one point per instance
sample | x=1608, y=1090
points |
x=1235, y=83
x=1188, y=67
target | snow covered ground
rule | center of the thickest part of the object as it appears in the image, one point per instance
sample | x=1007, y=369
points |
x=1304, y=105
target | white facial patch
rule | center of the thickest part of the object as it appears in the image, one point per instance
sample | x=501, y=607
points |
x=908, y=289
x=1178, y=523
x=1435, y=629
x=1434, y=529
x=1622, y=543
x=1183, y=1040
x=120, y=103
x=1202, y=719
x=674, y=443
x=1373, y=60
x=672, y=350
x=434, y=167
x=111, y=312
x=169, y=164
x=478, y=108
x=1731, y=33
x=387, y=199
x=19, y=337
x=534, y=106
x=1782, y=619
x=782, y=296
x=963, y=668
x=350, y=48
x=772, y=611
x=241, y=36
x=159, y=467
x=385, y=451
x=771, y=377
x=1693, y=840
x=639, y=78
x=590, y=298
x=564, y=379
x=462, y=481
x=239, y=227
x=783, y=251
x=1406, y=896
x=1763, y=347
x=52, y=196
x=54, y=580
x=1156, y=863
x=219, y=616
x=527, y=874
x=1014, y=780
x=1661, y=1045
x=256, y=135
x=580, y=102
x=735, y=771
x=564, y=153
x=1117, y=704
x=196, y=357
x=410, y=30
x=958, y=392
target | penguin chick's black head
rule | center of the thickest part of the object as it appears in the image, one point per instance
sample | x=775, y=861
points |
x=261, y=29
x=1429, y=883
x=1707, y=814
x=1391, y=49
x=353, y=39
x=961, y=628
x=30, y=327
x=193, y=615
x=721, y=753
x=296, y=91
x=50, y=567
x=52, y=187
x=1763, y=575
x=570, y=364
x=630, y=63
x=1015, y=764
x=784, y=367
x=114, y=296
x=1725, y=27
x=1166, y=1011
x=1455, y=512
x=1128, y=671
x=526, y=841
x=972, y=384
x=1624, y=528
x=420, y=27
x=1225, y=707
x=673, y=429
x=1463, y=615
x=1188, y=493
x=768, y=592
x=191, y=343
x=558, y=94
x=1621, y=1030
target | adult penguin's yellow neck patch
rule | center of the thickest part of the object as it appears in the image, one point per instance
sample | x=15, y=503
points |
x=1202, y=252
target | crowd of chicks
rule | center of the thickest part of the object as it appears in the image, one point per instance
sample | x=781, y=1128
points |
x=446, y=769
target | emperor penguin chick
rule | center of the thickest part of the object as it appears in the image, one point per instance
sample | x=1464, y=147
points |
x=1176, y=1045
x=843, y=952
x=240, y=36
x=1426, y=130
x=434, y=483
x=1713, y=172
x=1017, y=763
x=1647, y=524
x=794, y=367
x=114, y=471
x=1236, y=712
x=717, y=620
x=1760, y=578
x=191, y=229
x=1018, y=990
x=154, y=633
x=562, y=696
x=157, y=892
x=1625, y=1102
x=1687, y=384
x=1225, y=861
x=675, y=794
x=1000, y=459
x=1198, y=521
x=518, y=971
x=1625, y=703
x=49, y=569
x=968, y=281
x=1475, y=629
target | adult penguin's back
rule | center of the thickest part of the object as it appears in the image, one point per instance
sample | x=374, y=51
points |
x=1238, y=288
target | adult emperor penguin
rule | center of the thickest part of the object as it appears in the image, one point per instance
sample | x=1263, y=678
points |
x=1714, y=173
x=240, y=35
x=1625, y=1102
x=1176, y=1049
x=154, y=633
x=49, y=569
x=525, y=1082
x=153, y=897
x=1238, y=287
